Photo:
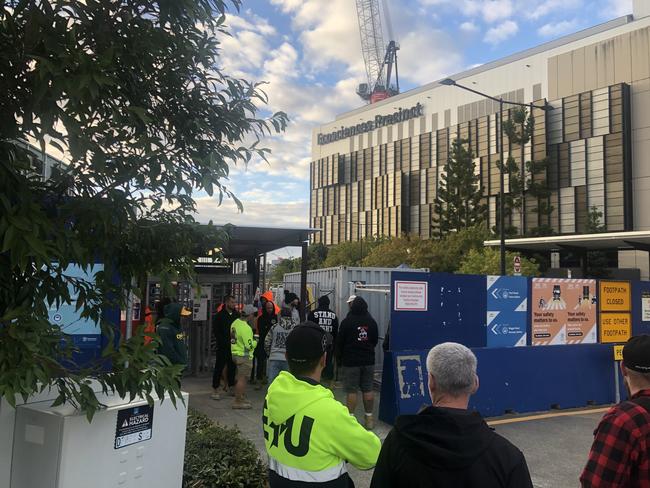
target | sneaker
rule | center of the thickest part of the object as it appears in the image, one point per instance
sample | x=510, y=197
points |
x=215, y=396
x=241, y=405
x=370, y=422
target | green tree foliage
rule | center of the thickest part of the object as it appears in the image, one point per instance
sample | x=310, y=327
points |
x=440, y=255
x=487, y=261
x=289, y=265
x=529, y=179
x=133, y=95
x=350, y=253
x=392, y=252
x=458, y=201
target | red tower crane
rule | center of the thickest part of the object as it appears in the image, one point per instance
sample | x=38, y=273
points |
x=379, y=57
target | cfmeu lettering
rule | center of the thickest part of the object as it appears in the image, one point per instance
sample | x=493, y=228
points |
x=380, y=121
x=285, y=431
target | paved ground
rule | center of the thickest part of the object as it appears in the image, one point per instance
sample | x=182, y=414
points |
x=555, y=444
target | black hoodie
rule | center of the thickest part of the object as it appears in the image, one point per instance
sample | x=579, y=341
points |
x=448, y=448
x=357, y=337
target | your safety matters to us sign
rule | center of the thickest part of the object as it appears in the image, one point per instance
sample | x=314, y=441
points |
x=134, y=425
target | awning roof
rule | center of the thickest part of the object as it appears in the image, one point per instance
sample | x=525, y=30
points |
x=248, y=242
x=639, y=240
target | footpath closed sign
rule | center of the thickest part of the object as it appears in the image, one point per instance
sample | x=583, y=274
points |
x=615, y=307
x=411, y=296
x=615, y=296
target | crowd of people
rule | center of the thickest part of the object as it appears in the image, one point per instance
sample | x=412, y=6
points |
x=310, y=437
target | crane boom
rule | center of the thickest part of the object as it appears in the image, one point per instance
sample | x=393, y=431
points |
x=378, y=57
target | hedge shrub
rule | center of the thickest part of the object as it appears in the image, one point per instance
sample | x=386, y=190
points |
x=217, y=456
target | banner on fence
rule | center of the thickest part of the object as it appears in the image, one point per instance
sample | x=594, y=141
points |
x=507, y=309
x=564, y=311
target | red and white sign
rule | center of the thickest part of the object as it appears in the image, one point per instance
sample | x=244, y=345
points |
x=411, y=296
x=517, y=265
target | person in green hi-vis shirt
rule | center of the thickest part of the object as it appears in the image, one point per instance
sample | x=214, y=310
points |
x=243, y=344
x=310, y=436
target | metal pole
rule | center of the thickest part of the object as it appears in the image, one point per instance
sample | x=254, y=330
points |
x=129, y=311
x=303, y=282
x=264, y=273
x=616, y=383
x=502, y=233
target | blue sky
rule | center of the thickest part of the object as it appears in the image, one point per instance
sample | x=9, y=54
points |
x=309, y=53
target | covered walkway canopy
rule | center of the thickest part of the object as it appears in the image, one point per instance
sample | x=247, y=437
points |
x=580, y=244
x=637, y=240
x=251, y=243
x=248, y=242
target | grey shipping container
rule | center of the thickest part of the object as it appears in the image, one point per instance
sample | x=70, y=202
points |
x=337, y=284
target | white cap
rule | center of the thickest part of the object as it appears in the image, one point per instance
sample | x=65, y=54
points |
x=249, y=309
x=351, y=299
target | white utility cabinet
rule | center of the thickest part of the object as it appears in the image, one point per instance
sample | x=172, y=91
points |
x=127, y=445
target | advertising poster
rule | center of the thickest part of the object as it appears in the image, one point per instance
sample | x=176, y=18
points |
x=564, y=311
x=507, y=309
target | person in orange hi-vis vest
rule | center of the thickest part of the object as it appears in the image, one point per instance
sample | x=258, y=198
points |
x=267, y=296
x=149, y=326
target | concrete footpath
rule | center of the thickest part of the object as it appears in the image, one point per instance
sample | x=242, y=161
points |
x=555, y=443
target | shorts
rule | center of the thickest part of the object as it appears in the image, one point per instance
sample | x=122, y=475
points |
x=244, y=366
x=358, y=378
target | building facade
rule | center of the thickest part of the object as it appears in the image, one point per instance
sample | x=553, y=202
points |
x=376, y=170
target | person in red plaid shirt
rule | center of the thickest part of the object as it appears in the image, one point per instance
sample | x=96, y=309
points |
x=620, y=454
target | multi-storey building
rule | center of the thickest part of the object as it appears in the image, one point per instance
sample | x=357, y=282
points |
x=376, y=170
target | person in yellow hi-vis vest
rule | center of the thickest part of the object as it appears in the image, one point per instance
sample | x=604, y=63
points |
x=309, y=436
x=242, y=347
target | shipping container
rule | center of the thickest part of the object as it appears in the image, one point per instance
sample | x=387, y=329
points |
x=338, y=283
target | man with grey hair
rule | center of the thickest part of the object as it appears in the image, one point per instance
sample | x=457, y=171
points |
x=445, y=445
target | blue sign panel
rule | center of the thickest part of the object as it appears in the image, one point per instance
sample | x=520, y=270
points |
x=507, y=311
x=86, y=332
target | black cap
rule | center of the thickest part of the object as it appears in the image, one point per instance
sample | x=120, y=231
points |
x=307, y=342
x=636, y=354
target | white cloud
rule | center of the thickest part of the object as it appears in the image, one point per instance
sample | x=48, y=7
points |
x=329, y=32
x=469, y=27
x=501, y=32
x=547, y=7
x=618, y=8
x=442, y=57
x=274, y=213
x=494, y=10
x=555, y=29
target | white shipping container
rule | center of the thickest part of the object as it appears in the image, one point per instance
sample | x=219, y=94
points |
x=336, y=283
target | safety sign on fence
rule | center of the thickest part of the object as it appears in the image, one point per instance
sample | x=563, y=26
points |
x=507, y=309
x=564, y=311
x=615, y=308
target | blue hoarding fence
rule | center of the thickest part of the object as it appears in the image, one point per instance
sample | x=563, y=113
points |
x=491, y=315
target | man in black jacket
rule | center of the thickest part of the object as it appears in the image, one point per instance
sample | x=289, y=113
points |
x=355, y=352
x=221, y=335
x=326, y=320
x=445, y=445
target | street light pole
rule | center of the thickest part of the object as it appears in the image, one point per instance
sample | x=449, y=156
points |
x=502, y=236
x=502, y=233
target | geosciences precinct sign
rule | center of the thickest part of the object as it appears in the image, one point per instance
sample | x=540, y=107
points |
x=401, y=115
